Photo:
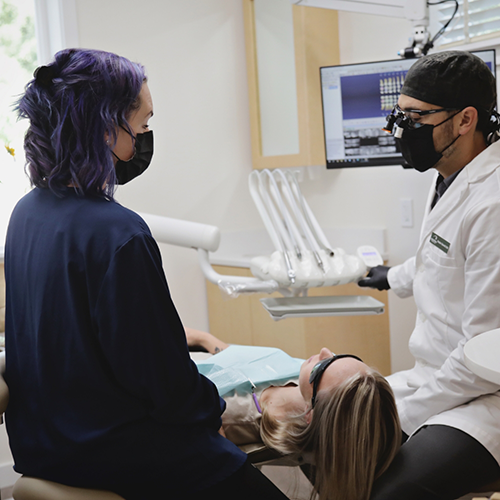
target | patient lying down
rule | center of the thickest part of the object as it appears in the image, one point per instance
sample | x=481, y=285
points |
x=334, y=409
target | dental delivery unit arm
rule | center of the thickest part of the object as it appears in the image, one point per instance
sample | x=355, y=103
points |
x=303, y=257
x=203, y=238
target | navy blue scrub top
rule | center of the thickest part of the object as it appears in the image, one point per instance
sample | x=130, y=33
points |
x=102, y=390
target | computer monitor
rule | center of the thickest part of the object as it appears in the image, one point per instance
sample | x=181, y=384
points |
x=356, y=100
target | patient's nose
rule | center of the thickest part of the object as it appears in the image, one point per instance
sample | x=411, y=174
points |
x=325, y=353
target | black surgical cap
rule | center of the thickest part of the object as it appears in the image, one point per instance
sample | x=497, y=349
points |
x=452, y=79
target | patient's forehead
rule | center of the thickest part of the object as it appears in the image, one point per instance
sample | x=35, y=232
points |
x=341, y=370
x=338, y=371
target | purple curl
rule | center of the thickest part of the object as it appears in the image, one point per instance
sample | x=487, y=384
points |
x=74, y=106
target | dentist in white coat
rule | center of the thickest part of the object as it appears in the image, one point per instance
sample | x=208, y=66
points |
x=445, y=120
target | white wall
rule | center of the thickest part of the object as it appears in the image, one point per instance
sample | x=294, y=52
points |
x=195, y=57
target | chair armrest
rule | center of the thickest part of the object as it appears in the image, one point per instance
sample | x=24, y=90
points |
x=30, y=488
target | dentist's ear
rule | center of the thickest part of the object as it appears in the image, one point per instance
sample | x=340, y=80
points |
x=468, y=120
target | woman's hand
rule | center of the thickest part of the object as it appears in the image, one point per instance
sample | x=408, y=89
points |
x=204, y=339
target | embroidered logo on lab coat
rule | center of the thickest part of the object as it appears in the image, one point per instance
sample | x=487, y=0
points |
x=439, y=242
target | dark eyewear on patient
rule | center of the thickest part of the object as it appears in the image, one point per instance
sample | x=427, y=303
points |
x=320, y=368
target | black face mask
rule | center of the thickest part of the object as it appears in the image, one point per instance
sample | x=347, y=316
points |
x=417, y=146
x=143, y=152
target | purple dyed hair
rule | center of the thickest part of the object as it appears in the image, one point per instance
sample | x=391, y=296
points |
x=89, y=93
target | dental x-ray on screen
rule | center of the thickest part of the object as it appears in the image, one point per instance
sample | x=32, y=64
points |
x=356, y=100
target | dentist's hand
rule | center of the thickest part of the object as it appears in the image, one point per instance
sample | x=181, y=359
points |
x=376, y=278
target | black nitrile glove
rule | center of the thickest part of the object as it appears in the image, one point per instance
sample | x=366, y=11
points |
x=376, y=278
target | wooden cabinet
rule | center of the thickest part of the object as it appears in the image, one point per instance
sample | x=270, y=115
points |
x=244, y=321
x=315, y=44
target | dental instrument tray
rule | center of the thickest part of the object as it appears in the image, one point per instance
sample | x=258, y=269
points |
x=339, y=305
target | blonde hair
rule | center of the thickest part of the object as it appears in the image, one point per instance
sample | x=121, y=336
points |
x=353, y=436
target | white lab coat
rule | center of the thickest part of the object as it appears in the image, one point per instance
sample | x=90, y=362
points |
x=456, y=286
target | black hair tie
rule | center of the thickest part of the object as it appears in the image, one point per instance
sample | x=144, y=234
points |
x=44, y=76
x=494, y=127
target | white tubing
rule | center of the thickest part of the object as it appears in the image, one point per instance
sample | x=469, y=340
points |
x=318, y=232
x=283, y=230
x=271, y=210
x=254, y=183
x=319, y=235
x=301, y=218
x=295, y=210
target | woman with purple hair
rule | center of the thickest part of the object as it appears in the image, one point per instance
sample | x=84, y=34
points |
x=103, y=393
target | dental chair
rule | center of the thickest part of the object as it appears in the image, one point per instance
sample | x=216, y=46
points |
x=30, y=488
